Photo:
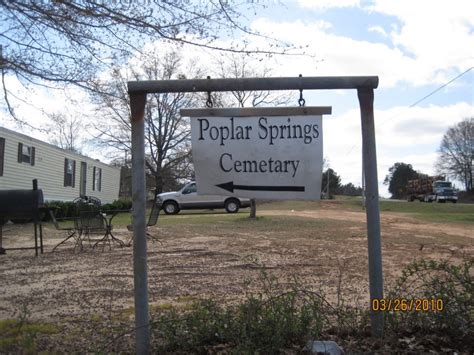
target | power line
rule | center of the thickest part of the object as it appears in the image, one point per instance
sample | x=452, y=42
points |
x=441, y=87
x=419, y=101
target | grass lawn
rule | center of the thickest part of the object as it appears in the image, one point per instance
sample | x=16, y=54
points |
x=435, y=212
x=432, y=212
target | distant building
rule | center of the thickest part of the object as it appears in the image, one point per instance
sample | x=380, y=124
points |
x=62, y=175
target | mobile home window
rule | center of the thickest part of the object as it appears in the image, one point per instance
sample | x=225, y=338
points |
x=26, y=154
x=2, y=154
x=69, y=172
x=97, y=182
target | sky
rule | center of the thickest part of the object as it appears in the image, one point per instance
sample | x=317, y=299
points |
x=421, y=50
x=414, y=47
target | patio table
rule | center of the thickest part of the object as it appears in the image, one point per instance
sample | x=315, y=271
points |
x=109, y=237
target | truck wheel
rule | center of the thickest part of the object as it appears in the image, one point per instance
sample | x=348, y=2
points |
x=170, y=207
x=232, y=205
x=454, y=201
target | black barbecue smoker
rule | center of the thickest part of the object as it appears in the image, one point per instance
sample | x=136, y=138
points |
x=23, y=204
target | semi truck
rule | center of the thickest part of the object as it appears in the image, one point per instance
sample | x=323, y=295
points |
x=431, y=188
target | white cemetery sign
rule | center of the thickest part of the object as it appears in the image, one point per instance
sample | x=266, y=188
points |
x=265, y=153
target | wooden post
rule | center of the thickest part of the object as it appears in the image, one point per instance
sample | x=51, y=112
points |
x=253, y=208
x=137, y=90
x=140, y=276
x=369, y=161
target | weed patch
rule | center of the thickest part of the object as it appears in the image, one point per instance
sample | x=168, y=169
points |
x=285, y=316
x=22, y=334
x=450, y=310
x=264, y=323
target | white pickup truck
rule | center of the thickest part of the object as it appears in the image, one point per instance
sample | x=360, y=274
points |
x=187, y=199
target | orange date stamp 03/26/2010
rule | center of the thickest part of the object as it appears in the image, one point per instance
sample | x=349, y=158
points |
x=407, y=305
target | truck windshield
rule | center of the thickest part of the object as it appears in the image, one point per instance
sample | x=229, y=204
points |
x=442, y=184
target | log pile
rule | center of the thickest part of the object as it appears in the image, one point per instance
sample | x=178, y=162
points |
x=423, y=185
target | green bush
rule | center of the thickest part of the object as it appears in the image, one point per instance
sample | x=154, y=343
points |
x=263, y=323
x=284, y=317
x=437, y=280
x=62, y=209
x=68, y=209
x=120, y=204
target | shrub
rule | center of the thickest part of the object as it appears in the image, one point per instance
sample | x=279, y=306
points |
x=263, y=323
x=68, y=209
x=282, y=317
x=120, y=204
x=438, y=280
x=63, y=209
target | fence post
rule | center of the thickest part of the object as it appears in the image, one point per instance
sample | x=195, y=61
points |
x=142, y=334
x=369, y=161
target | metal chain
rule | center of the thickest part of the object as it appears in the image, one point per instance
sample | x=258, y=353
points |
x=301, y=101
x=209, y=102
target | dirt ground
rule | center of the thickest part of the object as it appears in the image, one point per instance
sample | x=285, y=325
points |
x=192, y=260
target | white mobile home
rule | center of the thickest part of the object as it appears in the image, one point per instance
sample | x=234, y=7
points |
x=61, y=174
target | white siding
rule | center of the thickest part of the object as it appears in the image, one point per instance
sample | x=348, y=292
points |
x=49, y=170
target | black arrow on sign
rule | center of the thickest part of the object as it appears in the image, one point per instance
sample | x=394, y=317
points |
x=229, y=186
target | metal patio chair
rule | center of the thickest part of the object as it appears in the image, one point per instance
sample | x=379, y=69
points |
x=87, y=203
x=90, y=219
x=85, y=221
x=152, y=220
x=92, y=222
x=73, y=231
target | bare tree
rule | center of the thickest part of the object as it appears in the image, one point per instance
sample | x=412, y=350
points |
x=456, y=153
x=167, y=134
x=236, y=65
x=63, y=42
x=64, y=131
